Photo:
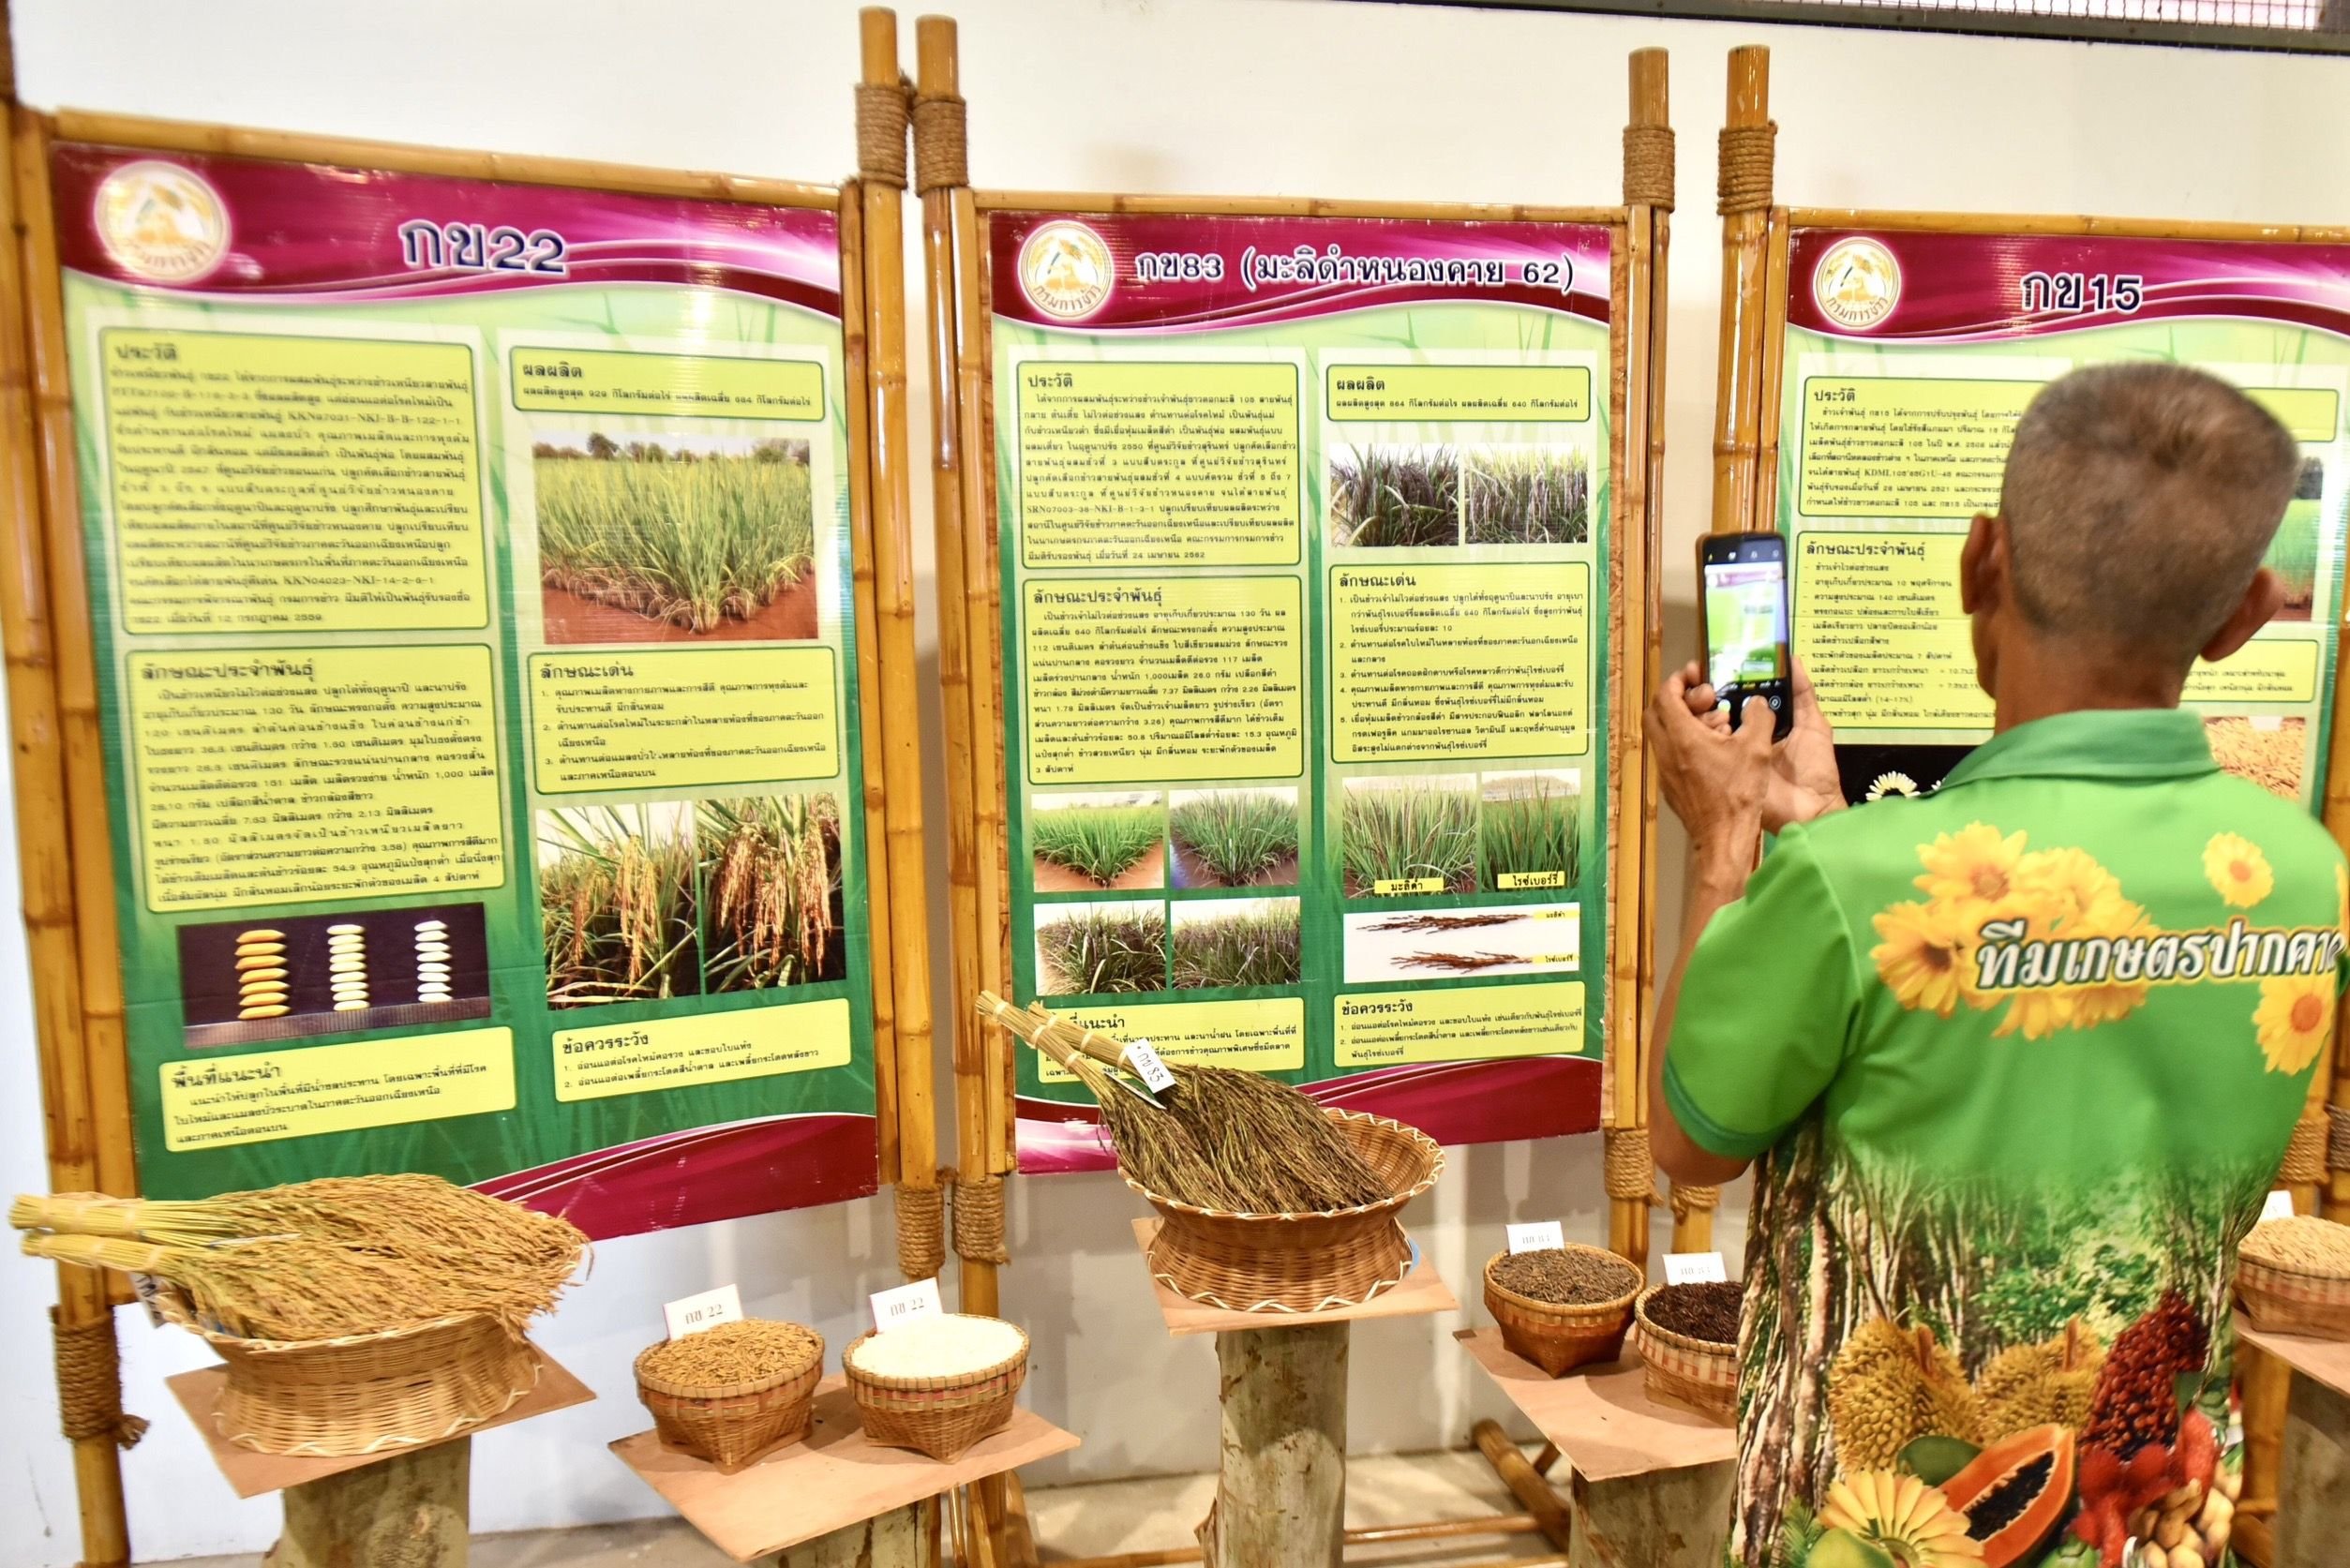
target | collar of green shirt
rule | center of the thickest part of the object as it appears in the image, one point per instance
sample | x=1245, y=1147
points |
x=2093, y=743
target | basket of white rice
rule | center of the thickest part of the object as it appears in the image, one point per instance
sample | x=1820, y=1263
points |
x=937, y=1385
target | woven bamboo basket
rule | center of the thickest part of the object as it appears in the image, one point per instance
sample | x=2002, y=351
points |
x=1696, y=1374
x=1299, y=1262
x=2293, y=1301
x=734, y=1424
x=364, y=1392
x=1559, y=1339
x=938, y=1416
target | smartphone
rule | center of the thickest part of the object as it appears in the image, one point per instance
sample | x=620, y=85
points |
x=1744, y=606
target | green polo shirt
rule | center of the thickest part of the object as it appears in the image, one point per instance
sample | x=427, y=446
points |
x=2021, y=1058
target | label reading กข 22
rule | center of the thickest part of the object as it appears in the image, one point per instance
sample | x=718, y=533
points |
x=894, y=1308
x=695, y=1313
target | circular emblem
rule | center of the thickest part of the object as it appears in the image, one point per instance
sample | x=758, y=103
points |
x=1066, y=270
x=161, y=222
x=1857, y=283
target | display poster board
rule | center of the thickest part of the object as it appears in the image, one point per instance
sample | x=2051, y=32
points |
x=470, y=584
x=1306, y=555
x=1909, y=355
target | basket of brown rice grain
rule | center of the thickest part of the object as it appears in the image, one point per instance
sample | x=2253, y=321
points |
x=734, y=1393
x=1562, y=1308
x=937, y=1385
x=2294, y=1276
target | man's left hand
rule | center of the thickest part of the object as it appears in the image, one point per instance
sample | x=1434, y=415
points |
x=1716, y=779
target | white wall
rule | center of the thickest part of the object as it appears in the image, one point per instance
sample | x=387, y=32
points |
x=1291, y=96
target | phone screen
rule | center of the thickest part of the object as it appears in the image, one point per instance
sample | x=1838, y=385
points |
x=1745, y=623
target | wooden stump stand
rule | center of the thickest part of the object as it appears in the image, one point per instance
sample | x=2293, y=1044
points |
x=2313, y=1516
x=409, y=1511
x=1280, y=1469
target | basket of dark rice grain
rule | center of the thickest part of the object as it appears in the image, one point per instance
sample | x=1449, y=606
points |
x=734, y=1393
x=2294, y=1276
x=1687, y=1336
x=1268, y=1201
x=1562, y=1308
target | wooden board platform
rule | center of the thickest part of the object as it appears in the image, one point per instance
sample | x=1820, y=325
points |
x=830, y=1480
x=1420, y=1293
x=1601, y=1417
x=252, y=1474
x=2322, y=1361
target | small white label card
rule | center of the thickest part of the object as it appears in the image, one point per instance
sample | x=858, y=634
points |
x=692, y=1314
x=1149, y=1067
x=146, y=1289
x=1694, y=1268
x=894, y=1308
x=2278, y=1206
x=1535, y=1235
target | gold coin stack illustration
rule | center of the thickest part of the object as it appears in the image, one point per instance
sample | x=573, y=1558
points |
x=261, y=974
x=347, y=966
x=432, y=960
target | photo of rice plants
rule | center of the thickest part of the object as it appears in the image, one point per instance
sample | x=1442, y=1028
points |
x=1476, y=943
x=618, y=910
x=770, y=890
x=1526, y=495
x=672, y=540
x=1231, y=942
x=2270, y=752
x=1409, y=835
x=1088, y=842
x=1234, y=838
x=1101, y=949
x=1528, y=830
x=2292, y=554
x=1384, y=496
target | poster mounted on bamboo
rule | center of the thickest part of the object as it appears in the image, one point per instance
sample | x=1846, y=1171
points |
x=1907, y=347
x=469, y=569
x=1308, y=560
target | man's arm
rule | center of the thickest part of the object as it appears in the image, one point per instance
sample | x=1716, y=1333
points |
x=1712, y=889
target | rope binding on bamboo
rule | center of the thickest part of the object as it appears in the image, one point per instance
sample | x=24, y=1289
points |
x=1648, y=167
x=90, y=1384
x=1630, y=1173
x=922, y=1231
x=2338, y=1142
x=941, y=155
x=1743, y=182
x=1694, y=1199
x=2305, y=1156
x=881, y=121
x=979, y=1219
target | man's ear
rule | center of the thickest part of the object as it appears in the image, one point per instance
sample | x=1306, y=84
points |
x=1982, y=565
x=2260, y=605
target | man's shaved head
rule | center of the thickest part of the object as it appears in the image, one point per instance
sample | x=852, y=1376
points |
x=2139, y=499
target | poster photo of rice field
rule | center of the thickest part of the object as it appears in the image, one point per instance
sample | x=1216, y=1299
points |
x=1223, y=943
x=675, y=538
x=1089, y=842
x=2293, y=555
x=1526, y=495
x=1476, y=942
x=1529, y=830
x=2270, y=752
x=619, y=906
x=1407, y=835
x=770, y=891
x=1101, y=949
x=1386, y=495
x=1234, y=838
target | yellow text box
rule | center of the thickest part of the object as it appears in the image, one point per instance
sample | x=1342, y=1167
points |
x=1185, y=678
x=2313, y=414
x=705, y=386
x=2267, y=669
x=1460, y=662
x=1461, y=1023
x=1186, y=463
x=1878, y=625
x=1485, y=394
x=1258, y=1037
x=706, y=1048
x=292, y=775
x=279, y=483
x=685, y=719
x=270, y=1095
x=1902, y=446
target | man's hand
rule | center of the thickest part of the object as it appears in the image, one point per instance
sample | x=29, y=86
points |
x=1716, y=779
x=1803, y=782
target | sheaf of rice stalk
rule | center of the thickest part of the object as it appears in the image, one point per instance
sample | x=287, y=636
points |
x=1102, y=843
x=1528, y=496
x=1249, y=945
x=616, y=905
x=772, y=870
x=689, y=541
x=1236, y=836
x=1529, y=828
x=1100, y=949
x=1395, y=496
x=1411, y=830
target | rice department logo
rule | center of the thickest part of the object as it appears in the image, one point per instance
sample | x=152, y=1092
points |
x=1858, y=284
x=1066, y=270
x=161, y=222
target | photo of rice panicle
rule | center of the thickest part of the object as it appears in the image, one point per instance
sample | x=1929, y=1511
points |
x=771, y=876
x=1236, y=942
x=1108, y=949
x=1388, y=496
x=1526, y=495
x=618, y=904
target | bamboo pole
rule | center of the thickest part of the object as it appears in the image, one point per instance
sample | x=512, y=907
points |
x=39, y=433
x=1106, y=205
x=2061, y=224
x=893, y=606
x=2336, y=810
x=1769, y=382
x=1543, y=1505
x=1738, y=401
x=980, y=411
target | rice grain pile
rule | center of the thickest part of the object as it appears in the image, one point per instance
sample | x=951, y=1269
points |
x=2302, y=1244
x=2269, y=756
x=753, y=1350
x=1573, y=1276
x=949, y=1345
x=1707, y=1311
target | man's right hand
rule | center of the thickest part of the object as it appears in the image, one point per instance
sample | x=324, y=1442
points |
x=1805, y=782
